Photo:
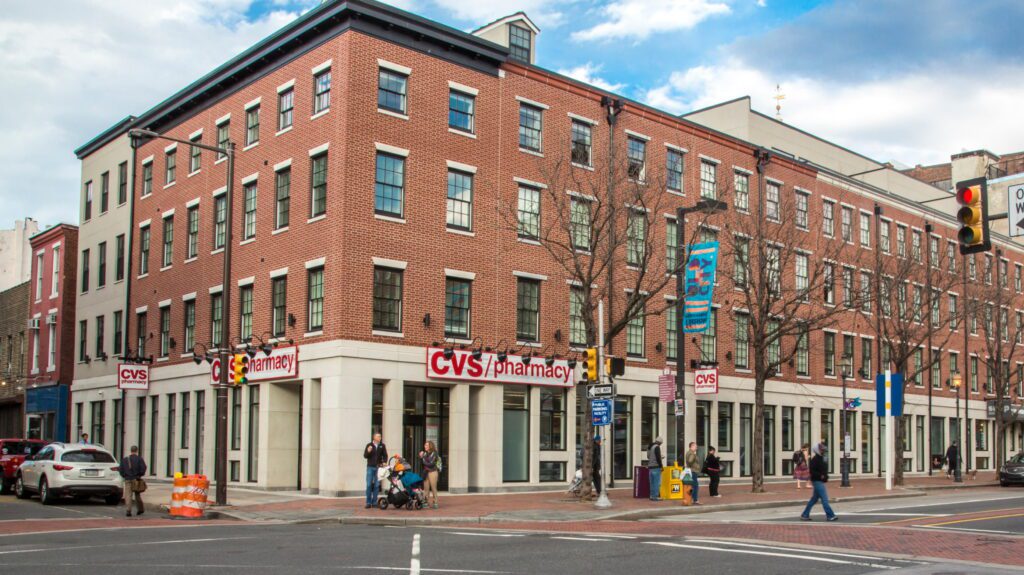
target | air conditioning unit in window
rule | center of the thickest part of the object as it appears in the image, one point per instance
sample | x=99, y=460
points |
x=33, y=323
x=51, y=319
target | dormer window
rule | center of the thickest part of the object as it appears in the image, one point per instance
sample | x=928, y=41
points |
x=519, y=42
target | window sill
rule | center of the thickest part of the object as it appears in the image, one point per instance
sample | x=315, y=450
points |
x=462, y=133
x=392, y=114
x=118, y=281
x=142, y=276
x=461, y=232
x=162, y=359
x=224, y=159
x=637, y=359
x=528, y=343
x=317, y=333
x=676, y=193
x=248, y=241
x=285, y=130
x=316, y=219
x=98, y=288
x=389, y=219
x=36, y=371
x=52, y=296
x=575, y=165
x=187, y=355
x=191, y=259
x=170, y=184
x=319, y=114
x=216, y=251
x=632, y=267
x=250, y=146
x=165, y=268
x=279, y=231
x=528, y=241
x=739, y=370
x=382, y=333
x=531, y=152
x=190, y=174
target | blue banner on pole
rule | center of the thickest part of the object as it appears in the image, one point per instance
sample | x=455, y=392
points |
x=700, y=286
x=601, y=411
x=895, y=395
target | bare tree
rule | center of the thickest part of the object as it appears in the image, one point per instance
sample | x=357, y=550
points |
x=994, y=309
x=603, y=226
x=909, y=325
x=784, y=273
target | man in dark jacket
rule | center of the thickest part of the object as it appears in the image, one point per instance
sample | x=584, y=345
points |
x=376, y=455
x=819, y=477
x=595, y=464
x=133, y=469
x=952, y=458
x=654, y=465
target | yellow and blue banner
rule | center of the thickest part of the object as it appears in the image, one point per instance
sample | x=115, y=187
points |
x=700, y=286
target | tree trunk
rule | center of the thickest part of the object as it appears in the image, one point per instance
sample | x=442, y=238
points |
x=897, y=447
x=757, y=449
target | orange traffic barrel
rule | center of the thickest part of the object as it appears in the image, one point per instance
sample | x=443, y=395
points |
x=178, y=494
x=194, y=501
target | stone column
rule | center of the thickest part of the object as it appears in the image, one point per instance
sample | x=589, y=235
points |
x=457, y=464
x=311, y=436
x=344, y=430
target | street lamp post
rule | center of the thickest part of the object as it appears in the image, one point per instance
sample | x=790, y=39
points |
x=221, y=464
x=708, y=206
x=845, y=364
x=954, y=384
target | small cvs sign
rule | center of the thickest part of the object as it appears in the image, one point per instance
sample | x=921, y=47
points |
x=130, y=376
x=705, y=380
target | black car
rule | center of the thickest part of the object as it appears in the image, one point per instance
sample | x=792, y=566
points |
x=1012, y=471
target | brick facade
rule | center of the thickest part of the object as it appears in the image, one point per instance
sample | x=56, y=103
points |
x=13, y=316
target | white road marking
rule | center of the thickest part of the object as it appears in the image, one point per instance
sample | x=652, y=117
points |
x=414, y=563
x=75, y=511
x=472, y=534
x=801, y=550
x=65, y=548
x=881, y=514
x=800, y=555
x=944, y=503
x=591, y=539
x=406, y=569
x=943, y=528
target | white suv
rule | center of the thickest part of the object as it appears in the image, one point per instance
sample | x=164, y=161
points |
x=77, y=469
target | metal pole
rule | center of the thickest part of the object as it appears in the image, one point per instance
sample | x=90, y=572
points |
x=889, y=459
x=931, y=331
x=845, y=463
x=957, y=478
x=221, y=467
x=680, y=335
x=967, y=372
x=878, y=317
x=602, y=500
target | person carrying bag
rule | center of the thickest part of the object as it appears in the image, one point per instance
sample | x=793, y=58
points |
x=133, y=469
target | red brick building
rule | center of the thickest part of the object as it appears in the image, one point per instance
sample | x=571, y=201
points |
x=377, y=156
x=50, y=350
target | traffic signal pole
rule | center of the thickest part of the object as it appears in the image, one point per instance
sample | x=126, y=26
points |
x=224, y=349
x=602, y=500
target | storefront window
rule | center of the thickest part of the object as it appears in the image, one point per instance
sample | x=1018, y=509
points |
x=866, y=442
x=552, y=419
x=377, y=415
x=746, y=437
x=920, y=443
x=828, y=437
x=787, y=440
x=937, y=439
x=169, y=471
x=516, y=434
x=622, y=438
x=981, y=435
x=769, y=440
x=649, y=424
x=805, y=426
x=252, y=474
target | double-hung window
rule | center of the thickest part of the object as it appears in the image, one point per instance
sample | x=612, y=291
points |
x=101, y=268
x=283, y=201
x=883, y=237
x=635, y=329
x=252, y=125
x=168, y=239
x=801, y=200
x=674, y=170
x=192, y=241
x=315, y=300
x=279, y=305
x=322, y=91
x=387, y=299
x=519, y=43
x=461, y=111
x=170, y=165
x=249, y=215
x=865, y=230
x=190, y=326
x=391, y=87
x=828, y=218
x=846, y=224
x=708, y=179
x=220, y=219
x=285, y=109
x=144, y=250
x=527, y=309
x=245, y=312
x=459, y=209
x=741, y=199
x=147, y=179
x=318, y=189
x=580, y=220
x=223, y=138
x=581, y=143
x=529, y=213
x=637, y=156
x=531, y=122
x=195, y=155
x=457, y=300
x=636, y=237
x=389, y=191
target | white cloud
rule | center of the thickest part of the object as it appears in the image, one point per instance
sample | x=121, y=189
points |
x=545, y=13
x=586, y=73
x=77, y=68
x=762, y=3
x=638, y=19
x=921, y=117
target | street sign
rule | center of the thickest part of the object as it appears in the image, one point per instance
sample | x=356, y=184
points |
x=1015, y=208
x=893, y=403
x=595, y=391
x=680, y=407
x=666, y=387
x=601, y=411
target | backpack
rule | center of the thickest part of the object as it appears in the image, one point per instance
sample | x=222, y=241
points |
x=440, y=464
x=798, y=458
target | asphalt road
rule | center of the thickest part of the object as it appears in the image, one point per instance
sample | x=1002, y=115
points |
x=12, y=508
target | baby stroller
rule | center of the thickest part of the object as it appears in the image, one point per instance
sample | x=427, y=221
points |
x=404, y=488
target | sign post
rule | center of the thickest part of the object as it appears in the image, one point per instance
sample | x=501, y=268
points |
x=602, y=500
x=1015, y=209
x=889, y=403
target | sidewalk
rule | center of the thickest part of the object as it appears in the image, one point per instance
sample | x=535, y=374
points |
x=254, y=505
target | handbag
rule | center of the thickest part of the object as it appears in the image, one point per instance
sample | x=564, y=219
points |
x=139, y=485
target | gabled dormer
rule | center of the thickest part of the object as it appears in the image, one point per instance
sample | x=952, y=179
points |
x=516, y=32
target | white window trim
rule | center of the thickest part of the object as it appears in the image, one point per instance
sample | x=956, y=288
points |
x=530, y=183
x=189, y=297
x=583, y=119
x=192, y=203
x=321, y=67
x=223, y=119
x=282, y=165
x=463, y=88
x=676, y=148
x=322, y=148
x=220, y=191
x=250, y=178
x=585, y=197
x=389, y=263
x=280, y=272
x=168, y=214
x=171, y=148
x=394, y=67
x=386, y=113
x=709, y=159
x=533, y=103
x=286, y=86
x=142, y=309
x=637, y=135
x=195, y=134
x=147, y=160
x=742, y=171
x=391, y=149
x=450, y=273
x=778, y=183
x=145, y=223
x=164, y=303
x=317, y=263
x=253, y=103
x=216, y=289
x=461, y=167
x=530, y=276
x=247, y=281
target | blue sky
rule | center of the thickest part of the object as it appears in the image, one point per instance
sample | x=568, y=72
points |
x=911, y=81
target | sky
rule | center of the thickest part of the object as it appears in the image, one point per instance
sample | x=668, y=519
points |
x=908, y=81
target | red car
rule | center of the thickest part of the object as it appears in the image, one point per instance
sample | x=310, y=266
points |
x=12, y=454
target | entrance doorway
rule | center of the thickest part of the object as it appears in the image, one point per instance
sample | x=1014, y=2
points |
x=425, y=418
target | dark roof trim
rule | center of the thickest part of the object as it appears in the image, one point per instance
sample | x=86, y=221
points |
x=104, y=137
x=509, y=18
x=51, y=229
x=295, y=37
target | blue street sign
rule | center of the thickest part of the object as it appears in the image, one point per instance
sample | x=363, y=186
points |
x=895, y=395
x=601, y=411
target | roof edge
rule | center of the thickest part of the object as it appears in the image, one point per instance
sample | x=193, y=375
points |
x=104, y=137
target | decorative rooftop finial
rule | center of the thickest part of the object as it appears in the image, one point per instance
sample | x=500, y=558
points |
x=778, y=97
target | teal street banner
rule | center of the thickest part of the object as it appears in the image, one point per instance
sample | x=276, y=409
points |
x=700, y=286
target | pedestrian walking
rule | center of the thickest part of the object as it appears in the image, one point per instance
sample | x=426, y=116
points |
x=432, y=467
x=133, y=469
x=376, y=455
x=800, y=470
x=595, y=460
x=819, y=477
x=713, y=469
x=694, y=465
x=654, y=465
x=952, y=457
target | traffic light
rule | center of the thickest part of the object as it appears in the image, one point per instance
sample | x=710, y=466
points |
x=972, y=197
x=240, y=368
x=614, y=366
x=590, y=364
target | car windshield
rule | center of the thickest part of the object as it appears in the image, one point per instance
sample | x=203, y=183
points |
x=21, y=447
x=1019, y=458
x=87, y=456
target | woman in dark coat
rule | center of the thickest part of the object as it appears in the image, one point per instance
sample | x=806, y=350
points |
x=713, y=469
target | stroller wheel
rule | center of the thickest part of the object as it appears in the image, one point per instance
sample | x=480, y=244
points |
x=419, y=504
x=382, y=503
x=410, y=505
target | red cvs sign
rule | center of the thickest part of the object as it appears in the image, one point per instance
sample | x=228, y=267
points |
x=705, y=380
x=132, y=377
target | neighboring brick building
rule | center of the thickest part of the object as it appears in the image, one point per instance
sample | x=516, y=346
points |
x=13, y=316
x=50, y=350
x=350, y=124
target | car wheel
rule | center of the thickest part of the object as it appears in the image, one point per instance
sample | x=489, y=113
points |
x=113, y=499
x=5, y=487
x=19, y=489
x=45, y=495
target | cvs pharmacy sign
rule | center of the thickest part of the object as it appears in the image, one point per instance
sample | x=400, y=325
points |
x=132, y=376
x=705, y=380
x=462, y=366
x=282, y=363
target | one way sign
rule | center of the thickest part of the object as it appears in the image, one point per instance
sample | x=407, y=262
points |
x=1015, y=199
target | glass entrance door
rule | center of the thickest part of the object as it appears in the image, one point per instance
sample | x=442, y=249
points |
x=425, y=419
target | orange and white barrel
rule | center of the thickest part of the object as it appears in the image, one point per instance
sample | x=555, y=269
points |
x=178, y=492
x=194, y=502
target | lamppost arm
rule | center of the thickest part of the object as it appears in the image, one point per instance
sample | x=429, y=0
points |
x=140, y=133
